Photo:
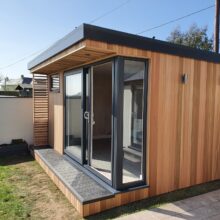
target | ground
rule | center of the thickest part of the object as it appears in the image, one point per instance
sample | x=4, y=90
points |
x=26, y=192
x=202, y=207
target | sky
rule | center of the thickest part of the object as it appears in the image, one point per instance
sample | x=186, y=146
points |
x=27, y=27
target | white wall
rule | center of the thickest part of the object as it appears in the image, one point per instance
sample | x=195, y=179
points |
x=16, y=119
x=127, y=116
x=73, y=117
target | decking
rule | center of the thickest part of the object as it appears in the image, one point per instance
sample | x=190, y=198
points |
x=88, y=195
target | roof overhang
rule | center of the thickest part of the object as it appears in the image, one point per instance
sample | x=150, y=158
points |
x=75, y=56
x=72, y=50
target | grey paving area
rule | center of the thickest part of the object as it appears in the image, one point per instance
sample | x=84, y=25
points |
x=206, y=206
x=83, y=186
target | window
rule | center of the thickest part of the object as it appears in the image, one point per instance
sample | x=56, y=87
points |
x=133, y=111
x=130, y=124
x=55, y=83
x=73, y=114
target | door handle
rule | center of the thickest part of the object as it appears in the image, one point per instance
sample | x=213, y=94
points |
x=86, y=115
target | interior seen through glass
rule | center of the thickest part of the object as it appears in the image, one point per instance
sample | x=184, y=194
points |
x=133, y=120
x=101, y=146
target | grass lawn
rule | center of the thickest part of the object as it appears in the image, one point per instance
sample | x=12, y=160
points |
x=26, y=192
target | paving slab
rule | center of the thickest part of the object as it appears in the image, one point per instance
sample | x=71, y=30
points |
x=202, y=207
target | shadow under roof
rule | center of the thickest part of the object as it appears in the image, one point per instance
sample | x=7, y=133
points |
x=87, y=31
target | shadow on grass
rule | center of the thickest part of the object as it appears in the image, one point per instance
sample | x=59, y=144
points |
x=157, y=201
x=15, y=159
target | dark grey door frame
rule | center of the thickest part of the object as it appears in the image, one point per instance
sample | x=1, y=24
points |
x=88, y=144
x=118, y=124
x=85, y=107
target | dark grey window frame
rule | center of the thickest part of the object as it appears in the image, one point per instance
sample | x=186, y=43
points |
x=118, y=124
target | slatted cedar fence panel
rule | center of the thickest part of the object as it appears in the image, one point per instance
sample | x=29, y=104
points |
x=40, y=102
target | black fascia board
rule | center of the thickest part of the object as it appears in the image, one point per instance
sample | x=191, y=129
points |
x=145, y=43
x=87, y=31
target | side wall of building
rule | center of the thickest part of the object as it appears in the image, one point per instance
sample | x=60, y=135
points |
x=184, y=123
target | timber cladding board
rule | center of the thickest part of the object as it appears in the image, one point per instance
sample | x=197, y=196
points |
x=93, y=207
x=56, y=117
x=119, y=200
x=184, y=145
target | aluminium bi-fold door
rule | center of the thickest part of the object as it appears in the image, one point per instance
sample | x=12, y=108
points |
x=105, y=120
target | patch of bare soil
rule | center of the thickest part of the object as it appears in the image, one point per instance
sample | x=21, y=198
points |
x=43, y=198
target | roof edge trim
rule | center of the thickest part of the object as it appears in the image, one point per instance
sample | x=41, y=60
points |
x=87, y=31
x=67, y=41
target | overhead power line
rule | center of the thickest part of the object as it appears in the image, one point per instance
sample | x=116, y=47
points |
x=91, y=22
x=109, y=12
x=176, y=19
x=20, y=60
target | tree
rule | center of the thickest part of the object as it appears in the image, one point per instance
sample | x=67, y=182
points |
x=4, y=80
x=194, y=37
x=1, y=77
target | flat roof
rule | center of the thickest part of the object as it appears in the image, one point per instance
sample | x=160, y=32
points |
x=87, y=31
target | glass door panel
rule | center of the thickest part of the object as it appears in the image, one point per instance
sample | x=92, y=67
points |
x=101, y=119
x=133, y=110
x=73, y=114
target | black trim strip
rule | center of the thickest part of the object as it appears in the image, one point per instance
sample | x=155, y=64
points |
x=87, y=31
x=67, y=41
x=145, y=43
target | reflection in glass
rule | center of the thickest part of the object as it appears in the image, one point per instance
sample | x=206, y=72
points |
x=133, y=120
x=101, y=119
x=73, y=114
